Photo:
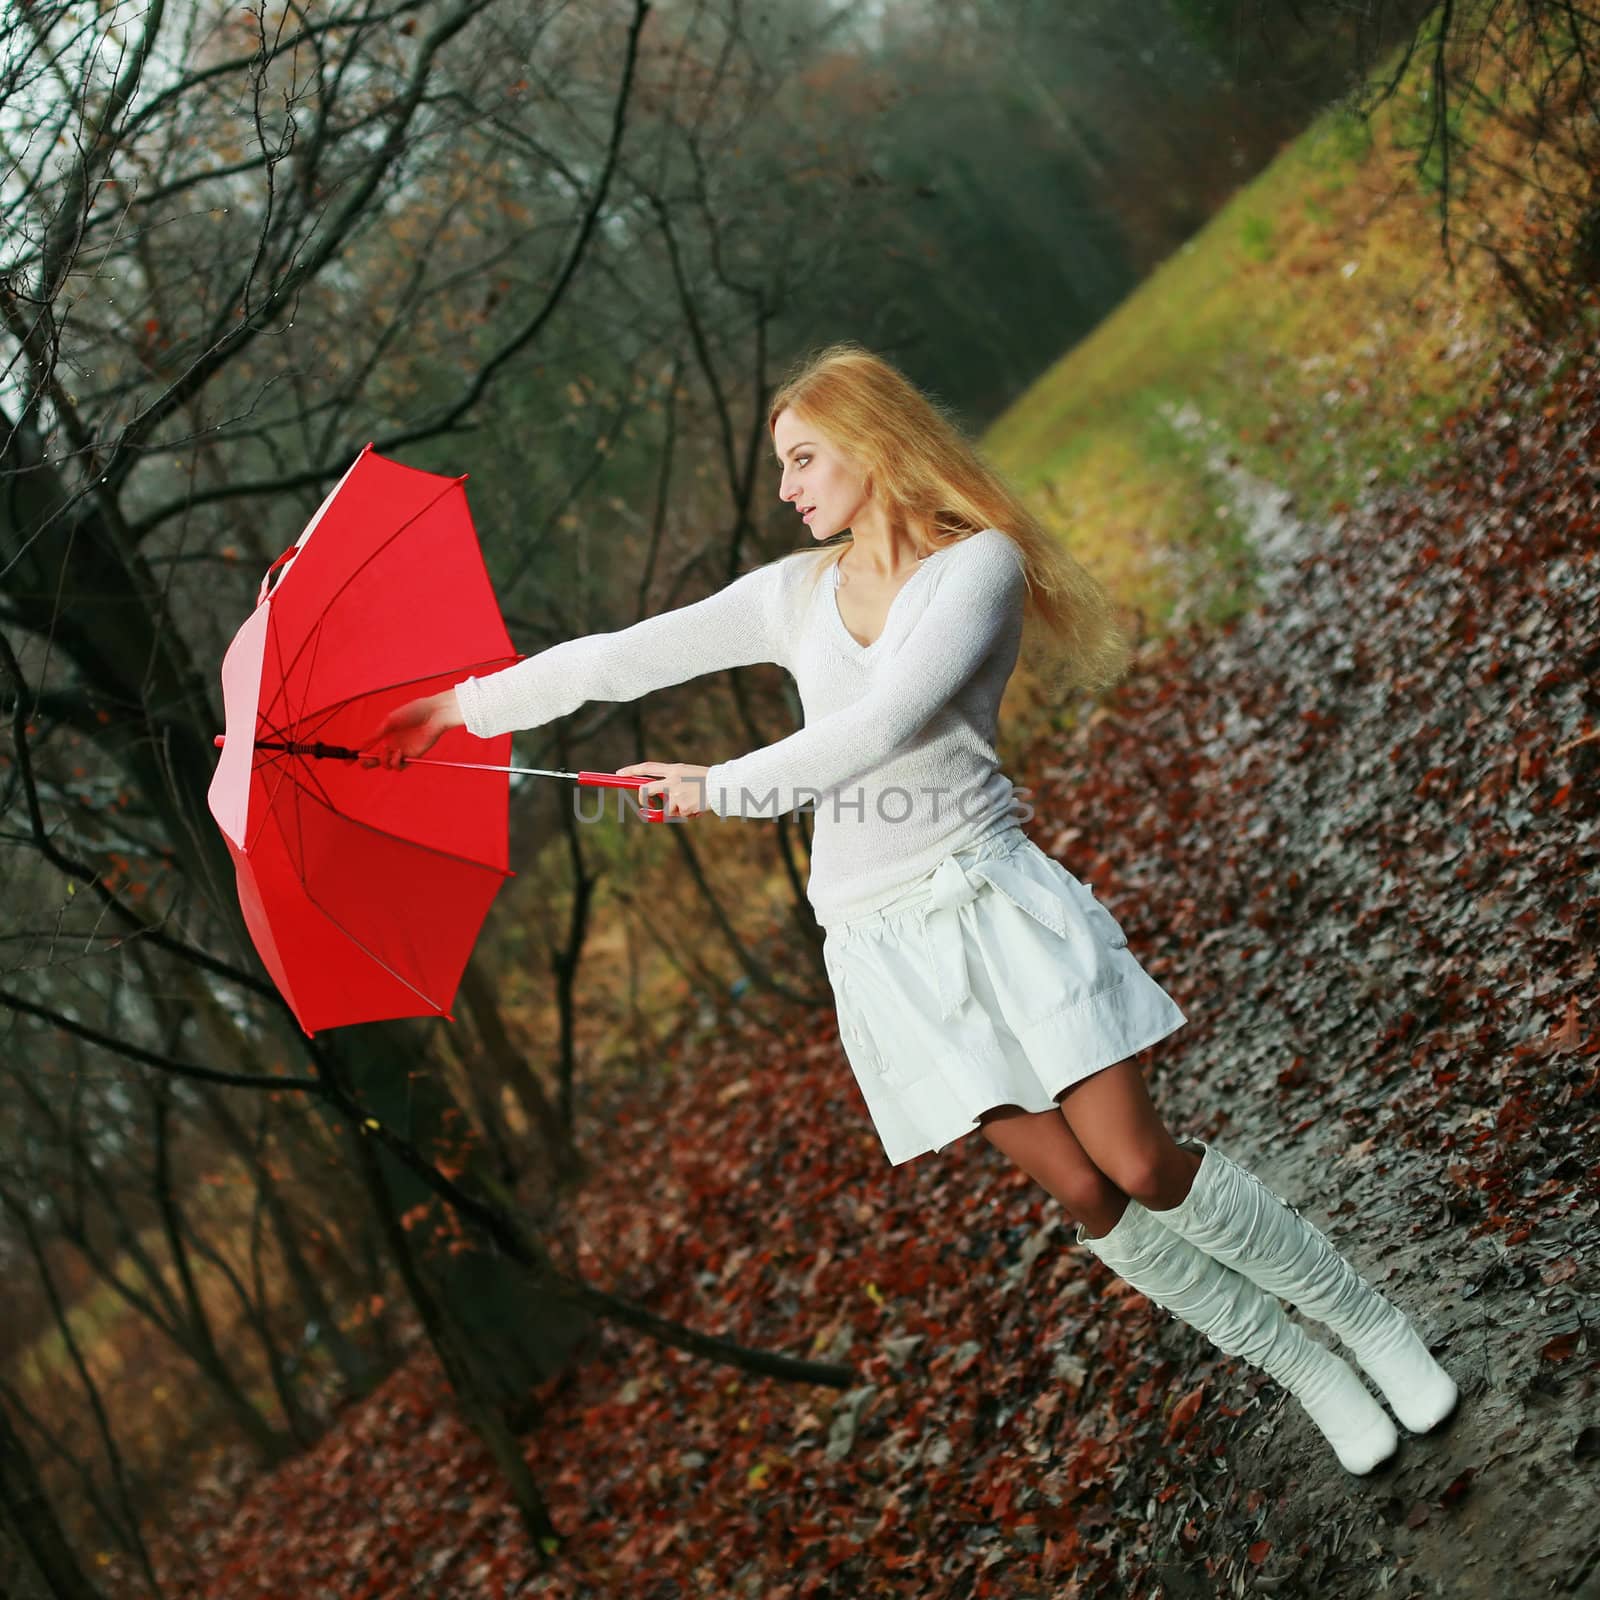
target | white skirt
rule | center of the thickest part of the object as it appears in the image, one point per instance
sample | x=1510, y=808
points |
x=995, y=979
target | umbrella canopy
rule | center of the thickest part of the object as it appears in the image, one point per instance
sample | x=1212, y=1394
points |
x=364, y=890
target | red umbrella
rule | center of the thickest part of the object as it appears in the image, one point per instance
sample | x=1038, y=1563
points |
x=364, y=890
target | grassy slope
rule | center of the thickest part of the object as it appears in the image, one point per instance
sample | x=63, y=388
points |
x=1315, y=326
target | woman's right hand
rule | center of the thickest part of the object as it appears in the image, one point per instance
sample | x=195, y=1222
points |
x=411, y=730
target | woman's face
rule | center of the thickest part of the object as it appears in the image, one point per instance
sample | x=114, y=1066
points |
x=815, y=474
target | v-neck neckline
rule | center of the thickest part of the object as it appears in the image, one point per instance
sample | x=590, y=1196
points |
x=845, y=634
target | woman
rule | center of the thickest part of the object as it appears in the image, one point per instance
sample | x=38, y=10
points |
x=978, y=982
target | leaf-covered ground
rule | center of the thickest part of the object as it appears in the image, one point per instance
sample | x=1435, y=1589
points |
x=1356, y=837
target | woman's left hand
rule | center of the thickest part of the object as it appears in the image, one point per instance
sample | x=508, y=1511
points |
x=682, y=787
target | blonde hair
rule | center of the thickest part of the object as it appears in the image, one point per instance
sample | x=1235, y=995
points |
x=929, y=476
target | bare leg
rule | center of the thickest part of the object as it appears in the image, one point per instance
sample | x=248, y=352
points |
x=1121, y=1132
x=1042, y=1144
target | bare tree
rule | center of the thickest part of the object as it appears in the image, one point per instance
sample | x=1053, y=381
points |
x=36, y=1558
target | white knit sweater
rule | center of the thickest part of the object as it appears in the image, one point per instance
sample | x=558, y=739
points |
x=897, y=755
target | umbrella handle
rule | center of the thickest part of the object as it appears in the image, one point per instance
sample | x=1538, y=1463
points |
x=625, y=780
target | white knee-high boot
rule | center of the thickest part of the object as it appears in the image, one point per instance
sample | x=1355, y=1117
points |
x=1237, y=1317
x=1232, y=1215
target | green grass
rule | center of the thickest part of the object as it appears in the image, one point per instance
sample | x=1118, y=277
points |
x=1312, y=320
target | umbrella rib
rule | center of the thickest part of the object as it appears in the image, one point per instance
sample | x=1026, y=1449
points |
x=327, y=712
x=277, y=759
x=350, y=577
x=264, y=715
x=320, y=795
x=363, y=946
x=262, y=762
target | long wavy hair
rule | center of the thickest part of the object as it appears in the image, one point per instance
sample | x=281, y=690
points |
x=931, y=480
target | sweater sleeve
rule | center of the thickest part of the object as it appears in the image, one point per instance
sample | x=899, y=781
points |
x=735, y=627
x=976, y=599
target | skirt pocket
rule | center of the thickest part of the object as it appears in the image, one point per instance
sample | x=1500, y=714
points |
x=1035, y=972
x=858, y=998
x=1098, y=913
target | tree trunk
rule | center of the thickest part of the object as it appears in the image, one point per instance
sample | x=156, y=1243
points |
x=462, y=1365
x=35, y=1558
x=123, y=1521
x=514, y=1068
x=355, y=1368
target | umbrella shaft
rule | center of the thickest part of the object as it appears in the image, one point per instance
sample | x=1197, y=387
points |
x=297, y=747
x=339, y=752
x=479, y=766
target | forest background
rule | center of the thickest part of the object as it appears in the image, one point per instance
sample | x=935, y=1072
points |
x=1219, y=285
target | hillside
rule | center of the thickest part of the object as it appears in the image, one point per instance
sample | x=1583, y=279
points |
x=1305, y=347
